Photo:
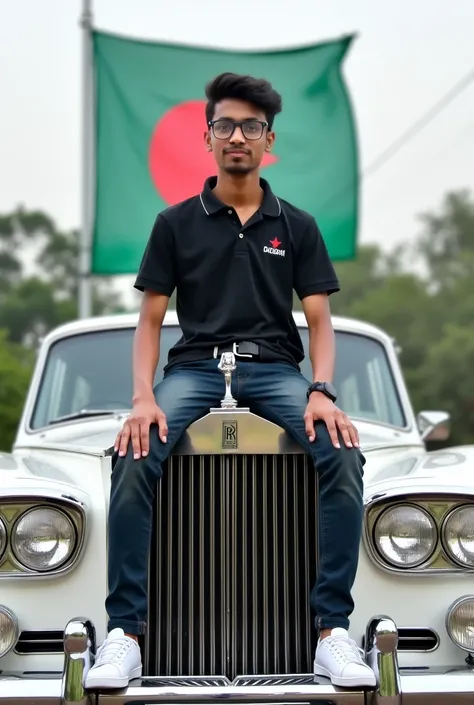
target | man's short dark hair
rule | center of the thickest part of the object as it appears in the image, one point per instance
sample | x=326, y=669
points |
x=257, y=91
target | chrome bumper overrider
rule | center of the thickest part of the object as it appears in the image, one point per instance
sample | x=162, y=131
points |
x=395, y=686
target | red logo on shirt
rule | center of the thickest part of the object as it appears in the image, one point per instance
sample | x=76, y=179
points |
x=275, y=248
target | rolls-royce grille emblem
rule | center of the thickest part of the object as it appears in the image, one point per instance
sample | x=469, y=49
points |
x=229, y=434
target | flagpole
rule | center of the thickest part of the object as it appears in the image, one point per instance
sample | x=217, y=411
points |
x=85, y=236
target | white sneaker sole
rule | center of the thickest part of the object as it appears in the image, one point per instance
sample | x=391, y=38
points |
x=355, y=682
x=112, y=681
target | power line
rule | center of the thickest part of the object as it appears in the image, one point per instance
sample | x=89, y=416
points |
x=414, y=130
x=419, y=125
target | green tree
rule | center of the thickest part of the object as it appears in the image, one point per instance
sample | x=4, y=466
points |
x=446, y=242
x=446, y=380
x=16, y=364
x=421, y=293
x=39, y=276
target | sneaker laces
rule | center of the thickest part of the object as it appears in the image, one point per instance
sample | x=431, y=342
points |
x=112, y=652
x=345, y=649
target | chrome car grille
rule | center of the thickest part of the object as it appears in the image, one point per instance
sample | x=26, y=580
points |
x=233, y=561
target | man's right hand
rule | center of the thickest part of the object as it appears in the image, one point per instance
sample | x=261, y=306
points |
x=137, y=428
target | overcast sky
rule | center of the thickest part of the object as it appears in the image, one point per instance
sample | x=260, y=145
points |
x=408, y=54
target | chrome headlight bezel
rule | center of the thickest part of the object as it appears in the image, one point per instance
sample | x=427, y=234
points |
x=438, y=505
x=450, y=517
x=3, y=538
x=15, y=629
x=434, y=531
x=59, y=515
x=15, y=506
x=457, y=604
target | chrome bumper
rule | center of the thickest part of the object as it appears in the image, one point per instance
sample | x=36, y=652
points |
x=395, y=686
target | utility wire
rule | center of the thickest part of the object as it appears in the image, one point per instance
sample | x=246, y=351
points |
x=418, y=126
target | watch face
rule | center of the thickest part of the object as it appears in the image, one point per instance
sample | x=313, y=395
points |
x=323, y=387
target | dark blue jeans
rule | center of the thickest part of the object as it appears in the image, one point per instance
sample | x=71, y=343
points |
x=277, y=392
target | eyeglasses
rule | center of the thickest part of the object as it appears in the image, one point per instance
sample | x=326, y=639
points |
x=224, y=128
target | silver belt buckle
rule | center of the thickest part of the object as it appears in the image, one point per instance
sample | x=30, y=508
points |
x=235, y=347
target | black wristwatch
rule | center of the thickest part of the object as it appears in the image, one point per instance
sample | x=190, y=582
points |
x=324, y=388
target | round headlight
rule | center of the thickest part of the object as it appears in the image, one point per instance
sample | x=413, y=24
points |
x=459, y=621
x=405, y=536
x=43, y=539
x=3, y=538
x=458, y=535
x=9, y=630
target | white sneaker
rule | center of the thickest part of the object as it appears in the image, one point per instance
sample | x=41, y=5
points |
x=118, y=661
x=339, y=658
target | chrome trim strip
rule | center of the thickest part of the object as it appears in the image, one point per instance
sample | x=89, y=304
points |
x=381, y=641
x=79, y=652
x=179, y=560
x=454, y=683
x=275, y=555
x=64, y=447
x=265, y=582
x=418, y=492
x=244, y=584
x=248, y=694
x=46, y=493
x=169, y=576
x=297, y=577
x=212, y=565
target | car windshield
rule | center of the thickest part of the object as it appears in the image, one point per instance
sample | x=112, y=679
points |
x=93, y=371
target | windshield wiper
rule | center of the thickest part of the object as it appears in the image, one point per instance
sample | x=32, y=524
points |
x=87, y=413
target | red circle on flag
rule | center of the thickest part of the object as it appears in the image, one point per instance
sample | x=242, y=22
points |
x=177, y=159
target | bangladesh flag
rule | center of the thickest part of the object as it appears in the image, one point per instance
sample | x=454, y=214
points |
x=149, y=138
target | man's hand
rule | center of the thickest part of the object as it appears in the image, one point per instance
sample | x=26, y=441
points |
x=137, y=428
x=320, y=408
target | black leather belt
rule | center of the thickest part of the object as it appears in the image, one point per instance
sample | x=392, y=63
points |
x=245, y=349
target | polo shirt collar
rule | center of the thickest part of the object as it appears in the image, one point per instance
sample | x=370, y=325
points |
x=211, y=204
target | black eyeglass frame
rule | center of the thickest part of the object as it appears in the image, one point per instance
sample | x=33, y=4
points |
x=240, y=124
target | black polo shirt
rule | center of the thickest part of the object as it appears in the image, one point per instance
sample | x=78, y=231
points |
x=235, y=282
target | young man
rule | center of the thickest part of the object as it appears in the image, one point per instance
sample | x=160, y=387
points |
x=235, y=253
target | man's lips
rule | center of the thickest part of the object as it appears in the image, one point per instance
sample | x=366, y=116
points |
x=238, y=152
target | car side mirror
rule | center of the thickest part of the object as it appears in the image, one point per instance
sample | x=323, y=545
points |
x=434, y=425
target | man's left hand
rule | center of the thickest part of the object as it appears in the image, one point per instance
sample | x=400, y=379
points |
x=320, y=408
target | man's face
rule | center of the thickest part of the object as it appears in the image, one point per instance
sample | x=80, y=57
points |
x=238, y=149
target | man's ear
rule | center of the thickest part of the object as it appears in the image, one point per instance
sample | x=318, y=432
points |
x=270, y=141
x=207, y=141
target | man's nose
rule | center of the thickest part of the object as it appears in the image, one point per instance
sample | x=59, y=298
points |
x=237, y=136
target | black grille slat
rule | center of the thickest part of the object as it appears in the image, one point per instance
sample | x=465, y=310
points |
x=417, y=639
x=40, y=642
x=233, y=560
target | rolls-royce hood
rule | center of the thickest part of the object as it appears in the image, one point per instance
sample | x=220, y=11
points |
x=450, y=469
x=42, y=471
x=393, y=457
x=99, y=433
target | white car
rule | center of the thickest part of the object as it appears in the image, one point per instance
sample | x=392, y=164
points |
x=234, y=544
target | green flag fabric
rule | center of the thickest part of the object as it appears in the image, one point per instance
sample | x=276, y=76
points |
x=149, y=141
